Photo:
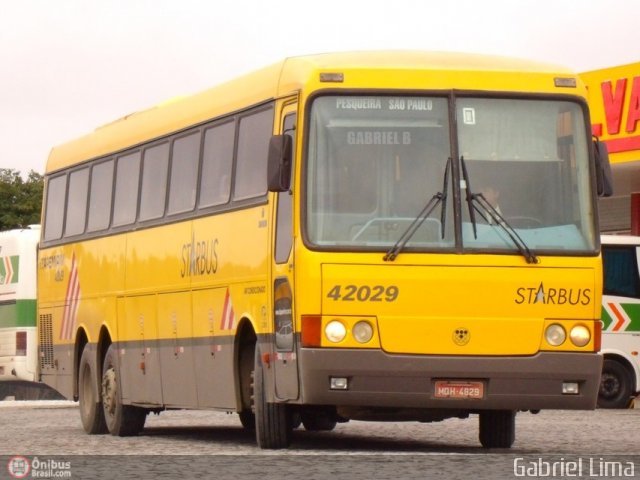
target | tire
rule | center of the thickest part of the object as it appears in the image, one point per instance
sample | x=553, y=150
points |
x=615, y=385
x=318, y=421
x=245, y=368
x=121, y=420
x=248, y=420
x=497, y=428
x=91, y=412
x=273, y=422
x=296, y=420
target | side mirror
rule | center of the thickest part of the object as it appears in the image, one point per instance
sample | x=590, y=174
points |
x=604, y=180
x=279, y=163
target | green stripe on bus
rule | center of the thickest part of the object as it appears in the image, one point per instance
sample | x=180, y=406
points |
x=19, y=314
x=633, y=312
x=606, y=319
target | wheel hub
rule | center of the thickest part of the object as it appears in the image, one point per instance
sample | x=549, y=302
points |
x=109, y=390
x=609, y=385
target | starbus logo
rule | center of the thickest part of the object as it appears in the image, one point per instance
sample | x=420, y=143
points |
x=199, y=257
x=553, y=295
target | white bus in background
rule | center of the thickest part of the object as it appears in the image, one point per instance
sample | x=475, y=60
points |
x=18, y=338
x=620, y=381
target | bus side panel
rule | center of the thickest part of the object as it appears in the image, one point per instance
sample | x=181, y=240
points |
x=176, y=350
x=77, y=284
x=56, y=349
x=625, y=345
x=213, y=369
x=56, y=358
x=229, y=260
x=146, y=333
x=18, y=317
x=139, y=358
x=621, y=331
x=18, y=361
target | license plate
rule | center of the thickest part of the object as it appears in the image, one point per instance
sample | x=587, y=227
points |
x=458, y=389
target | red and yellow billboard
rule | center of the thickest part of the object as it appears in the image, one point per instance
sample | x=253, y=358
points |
x=614, y=99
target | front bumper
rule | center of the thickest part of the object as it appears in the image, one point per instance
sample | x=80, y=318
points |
x=378, y=379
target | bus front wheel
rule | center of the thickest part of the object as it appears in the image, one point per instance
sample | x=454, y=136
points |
x=497, y=428
x=318, y=421
x=615, y=385
x=122, y=420
x=91, y=412
x=273, y=422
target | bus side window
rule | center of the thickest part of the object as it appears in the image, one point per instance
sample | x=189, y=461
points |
x=251, y=159
x=154, y=181
x=217, y=160
x=620, y=271
x=184, y=173
x=77, y=202
x=56, y=192
x=284, y=225
x=126, y=196
x=100, y=196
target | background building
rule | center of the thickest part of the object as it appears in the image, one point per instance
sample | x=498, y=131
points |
x=614, y=98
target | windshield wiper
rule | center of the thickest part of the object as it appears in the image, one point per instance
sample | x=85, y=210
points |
x=440, y=197
x=469, y=196
x=477, y=203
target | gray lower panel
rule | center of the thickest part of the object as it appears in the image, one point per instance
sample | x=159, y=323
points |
x=60, y=374
x=184, y=373
x=377, y=379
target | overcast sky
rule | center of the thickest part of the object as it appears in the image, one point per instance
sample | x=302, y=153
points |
x=68, y=66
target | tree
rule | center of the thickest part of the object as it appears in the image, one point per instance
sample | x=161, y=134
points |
x=20, y=200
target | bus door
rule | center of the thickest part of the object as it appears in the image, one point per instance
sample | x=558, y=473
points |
x=284, y=354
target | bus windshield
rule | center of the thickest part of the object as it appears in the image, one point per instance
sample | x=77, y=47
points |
x=374, y=162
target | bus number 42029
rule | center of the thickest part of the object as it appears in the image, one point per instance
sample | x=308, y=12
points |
x=364, y=293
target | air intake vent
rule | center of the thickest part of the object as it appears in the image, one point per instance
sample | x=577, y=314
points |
x=45, y=333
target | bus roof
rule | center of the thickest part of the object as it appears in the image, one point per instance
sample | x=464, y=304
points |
x=620, y=240
x=372, y=69
x=19, y=240
x=25, y=232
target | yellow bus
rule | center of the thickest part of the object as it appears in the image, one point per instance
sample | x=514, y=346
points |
x=350, y=236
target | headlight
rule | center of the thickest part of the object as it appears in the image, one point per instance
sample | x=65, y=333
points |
x=335, y=331
x=555, y=335
x=580, y=335
x=362, y=332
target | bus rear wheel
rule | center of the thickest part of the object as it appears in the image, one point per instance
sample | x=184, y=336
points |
x=497, y=428
x=121, y=420
x=615, y=385
x=91, y=412
x=273, y=421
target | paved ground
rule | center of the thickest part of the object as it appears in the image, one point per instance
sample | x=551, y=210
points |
x=203, y=444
